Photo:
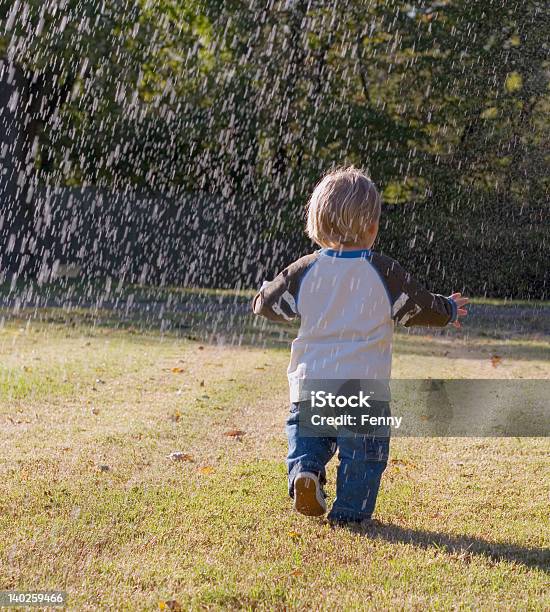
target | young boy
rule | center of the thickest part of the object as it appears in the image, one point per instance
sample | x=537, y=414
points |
x=347, y=298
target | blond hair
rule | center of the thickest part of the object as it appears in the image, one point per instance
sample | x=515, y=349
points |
x=342, y=207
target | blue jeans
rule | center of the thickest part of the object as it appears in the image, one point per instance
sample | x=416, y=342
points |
x=363, y=459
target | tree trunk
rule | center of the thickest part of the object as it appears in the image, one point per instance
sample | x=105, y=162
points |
x=16, y=213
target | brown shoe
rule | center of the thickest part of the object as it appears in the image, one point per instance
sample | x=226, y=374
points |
x=309, y=498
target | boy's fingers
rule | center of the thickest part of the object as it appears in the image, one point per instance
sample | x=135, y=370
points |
x=460, y=311
x=459, y=300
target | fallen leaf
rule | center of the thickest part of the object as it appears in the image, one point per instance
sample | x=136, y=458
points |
x=170, y=604
x=296, y=572
x=176, y=416
x=402, y=462
x=206, y=469
x=179, y=456
x=177, y=370
x=234, y=433
x=75, y=513
x=496, y=360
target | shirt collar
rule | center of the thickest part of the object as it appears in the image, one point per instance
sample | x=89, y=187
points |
x=364, y=253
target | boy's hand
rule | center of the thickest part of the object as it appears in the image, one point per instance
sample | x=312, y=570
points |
x=460, y=302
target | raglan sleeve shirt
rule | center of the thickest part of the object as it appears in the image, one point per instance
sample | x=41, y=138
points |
x=277, y=299
x=411, y=303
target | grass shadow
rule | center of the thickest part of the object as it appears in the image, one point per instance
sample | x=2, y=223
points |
x=521, y=350
x=462, y=544
x=225, y=315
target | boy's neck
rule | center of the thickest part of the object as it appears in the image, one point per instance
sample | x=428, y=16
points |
x=354, y=247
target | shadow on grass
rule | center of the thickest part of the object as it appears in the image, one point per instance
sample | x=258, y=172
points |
x=225, y=316
x=463, y=544
x=523, y=351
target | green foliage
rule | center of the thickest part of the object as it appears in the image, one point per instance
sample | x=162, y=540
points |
x=401, y=89
x=444, y=102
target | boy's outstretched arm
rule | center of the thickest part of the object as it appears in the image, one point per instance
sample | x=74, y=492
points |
x=412, y=303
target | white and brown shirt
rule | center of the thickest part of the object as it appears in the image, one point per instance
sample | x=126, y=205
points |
x=347, y=303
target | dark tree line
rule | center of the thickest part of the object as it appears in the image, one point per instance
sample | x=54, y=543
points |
x=444, y=102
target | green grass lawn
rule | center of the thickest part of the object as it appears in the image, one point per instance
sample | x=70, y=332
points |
x=91, y=504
